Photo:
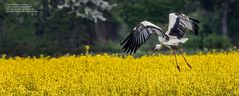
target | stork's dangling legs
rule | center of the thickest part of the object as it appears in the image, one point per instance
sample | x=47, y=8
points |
x=179, y=49
x=176, y=60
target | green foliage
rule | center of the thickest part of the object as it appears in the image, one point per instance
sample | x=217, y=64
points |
x=193, y=42
x=111, y=46
x=214, y=41
x=151, y=10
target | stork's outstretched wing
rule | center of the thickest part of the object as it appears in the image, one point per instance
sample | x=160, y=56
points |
x=139, y=35
x=178, y=23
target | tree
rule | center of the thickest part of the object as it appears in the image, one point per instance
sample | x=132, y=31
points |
x=219, y=7
x=90, y=9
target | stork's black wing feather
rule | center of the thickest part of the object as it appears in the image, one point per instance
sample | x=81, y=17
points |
x=178, y=23
x=177, y=30
x=140, y=34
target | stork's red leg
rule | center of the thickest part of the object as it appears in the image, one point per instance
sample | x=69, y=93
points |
x=176, y=60
x=184, y=58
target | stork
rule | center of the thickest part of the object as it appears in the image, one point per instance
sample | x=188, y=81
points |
x=172, y=38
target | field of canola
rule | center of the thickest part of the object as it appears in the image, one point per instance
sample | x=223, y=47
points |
x=102, y=75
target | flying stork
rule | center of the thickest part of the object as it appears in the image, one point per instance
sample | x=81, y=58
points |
x=172, y=38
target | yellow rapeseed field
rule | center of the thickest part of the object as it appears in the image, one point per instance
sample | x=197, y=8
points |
x=101, y=75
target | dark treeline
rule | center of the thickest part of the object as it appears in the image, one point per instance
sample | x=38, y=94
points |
x=59, y=27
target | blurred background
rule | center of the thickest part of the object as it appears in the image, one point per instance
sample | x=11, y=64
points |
x=58, y=27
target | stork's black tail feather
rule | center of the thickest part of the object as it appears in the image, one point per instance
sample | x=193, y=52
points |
x=195, y=26
x=194, y=20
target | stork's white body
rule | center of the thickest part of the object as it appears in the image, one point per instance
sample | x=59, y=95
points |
x=174, y=41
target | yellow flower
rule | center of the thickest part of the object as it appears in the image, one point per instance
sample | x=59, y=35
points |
x=87, y=48
x=103, y=74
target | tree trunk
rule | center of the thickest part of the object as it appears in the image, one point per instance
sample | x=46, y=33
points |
x=100, y=33
x=106, y=30
x=39, y=25
x=72, y=40
x=1, y=29
x=1, y=25
x=225, y=11
x=45, y=9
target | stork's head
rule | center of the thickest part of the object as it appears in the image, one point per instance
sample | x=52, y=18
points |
x=157, y=47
